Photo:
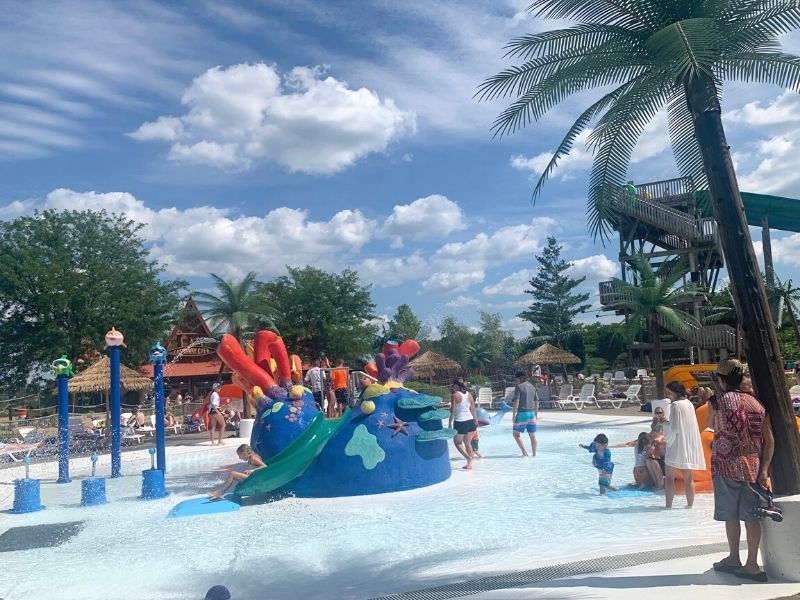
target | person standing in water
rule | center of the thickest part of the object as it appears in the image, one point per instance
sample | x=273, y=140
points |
x=684, y=448
x=464, y=417
x=524, y=411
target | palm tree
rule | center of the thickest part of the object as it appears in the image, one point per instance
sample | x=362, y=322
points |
x=723, y=311
x=785, y=295
x=477, y=355
x=236, y=308
x=655, y=54
x=654, y=297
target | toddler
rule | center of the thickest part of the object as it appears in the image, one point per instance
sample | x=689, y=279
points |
x=601, y=461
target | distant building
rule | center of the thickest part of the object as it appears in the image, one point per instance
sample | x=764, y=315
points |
x=192, y=362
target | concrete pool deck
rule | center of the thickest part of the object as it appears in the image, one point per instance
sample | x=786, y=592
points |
x=649, y=569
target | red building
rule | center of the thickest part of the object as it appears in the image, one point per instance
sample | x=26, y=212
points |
x=192, y=362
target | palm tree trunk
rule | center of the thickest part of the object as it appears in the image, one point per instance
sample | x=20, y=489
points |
x=749, y=293
x=658, y=361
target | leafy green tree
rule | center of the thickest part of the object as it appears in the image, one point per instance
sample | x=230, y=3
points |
x=493, y=336
x=647, y=55
x=404, y=325
x=454, y=339
x=320, y=313
x=67, y=277
x=236, y=308
x=655, y=296
x=555, y=304
x=604, y=343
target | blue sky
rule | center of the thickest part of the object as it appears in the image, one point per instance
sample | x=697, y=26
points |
x=255, y=134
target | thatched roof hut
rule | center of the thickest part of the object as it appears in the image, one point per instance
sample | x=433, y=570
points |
x=97, y=379
x=547, y=354
x=429, y=363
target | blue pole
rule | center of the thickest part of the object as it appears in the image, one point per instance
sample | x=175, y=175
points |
x=63, y=429
x=116, y=414
x=161, y=443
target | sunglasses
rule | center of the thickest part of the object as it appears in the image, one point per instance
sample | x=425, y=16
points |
x=659, y=412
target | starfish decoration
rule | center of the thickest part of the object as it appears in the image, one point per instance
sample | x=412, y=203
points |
x=380, y=423
x=385, y=415
x=268, y=427
x=399, y=427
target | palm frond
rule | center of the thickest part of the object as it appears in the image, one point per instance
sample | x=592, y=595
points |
x=687, y=49
x=565, y=147
x=623, y=13
x=777, y=68
x=616, y=136
x=685, y=149
x=560, y=41
x=604, y=69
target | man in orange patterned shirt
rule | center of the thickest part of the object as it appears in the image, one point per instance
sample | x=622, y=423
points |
x=740, y=456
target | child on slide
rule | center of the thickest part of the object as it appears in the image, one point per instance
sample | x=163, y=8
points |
x=601, y=461
x=244, y=452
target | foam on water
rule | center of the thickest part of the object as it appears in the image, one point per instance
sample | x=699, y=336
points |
x=508, y=513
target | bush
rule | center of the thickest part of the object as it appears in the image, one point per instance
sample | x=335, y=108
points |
x=479, y=380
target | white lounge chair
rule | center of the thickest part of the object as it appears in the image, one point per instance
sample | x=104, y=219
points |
x=580, y=401
x=484, y=396
x=564, y=393
x=619, y=376
x=631, y=397
x=642, y=373
x=608, y=375
x=176, y=429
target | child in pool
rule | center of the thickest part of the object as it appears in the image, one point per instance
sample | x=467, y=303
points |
x=244, y=452
x=601, y=461
x=474, y=443
x=641, y=471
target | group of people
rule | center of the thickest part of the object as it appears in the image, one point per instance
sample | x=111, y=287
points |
x=464, y=417
x=741, y=454
x=331, y=391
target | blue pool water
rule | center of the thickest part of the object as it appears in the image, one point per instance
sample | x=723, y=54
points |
x=508, y=513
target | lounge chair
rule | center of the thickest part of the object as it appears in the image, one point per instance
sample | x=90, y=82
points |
x=19, y=451
x=619, y=376
x=564, y=393
x=608, y=376
x=580, y=401
x=484, y=396
x=631, y=397
x=176, y=429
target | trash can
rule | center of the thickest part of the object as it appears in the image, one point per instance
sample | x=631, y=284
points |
x=246, y=428
x=22, y=413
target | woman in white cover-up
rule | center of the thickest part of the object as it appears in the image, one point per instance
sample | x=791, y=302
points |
x=684, y=448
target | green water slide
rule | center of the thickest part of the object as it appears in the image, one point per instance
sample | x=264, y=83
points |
x=292, y=461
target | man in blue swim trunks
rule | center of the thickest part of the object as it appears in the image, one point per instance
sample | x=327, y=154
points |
x=524, y=411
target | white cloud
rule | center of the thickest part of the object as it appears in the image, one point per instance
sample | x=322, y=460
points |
x=511, y=285
x=595, y=268
x=303, y=120
x=200, y=240
x=452, y=281
x=519, y=328
x=785, y=250
x=426, y=218
x=501, y=246
x=391, y=271
x=783, y=111
x=460, y=301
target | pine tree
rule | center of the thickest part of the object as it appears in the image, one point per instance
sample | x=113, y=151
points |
x=555, y=305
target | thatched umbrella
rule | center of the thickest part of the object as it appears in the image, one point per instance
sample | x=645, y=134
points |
x=97, y=379
x=547, y=354
x=429, y=363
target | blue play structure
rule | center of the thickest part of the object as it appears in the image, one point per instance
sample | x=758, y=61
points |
x=393, y=440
